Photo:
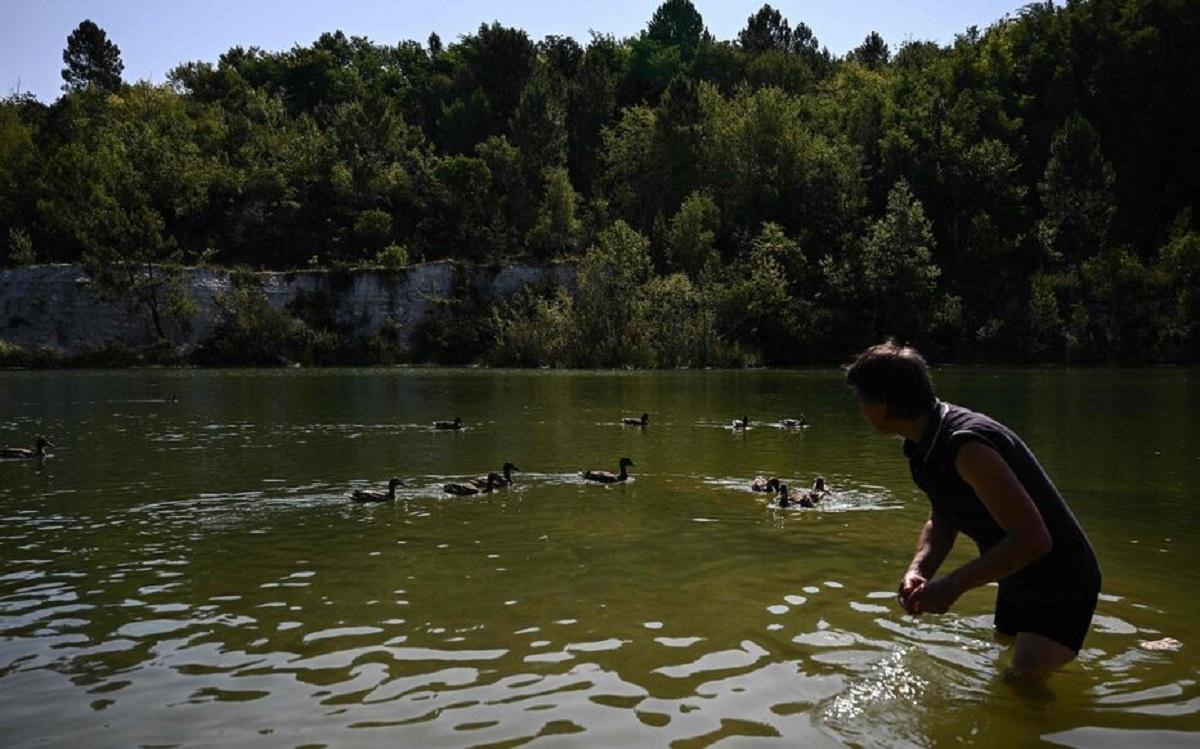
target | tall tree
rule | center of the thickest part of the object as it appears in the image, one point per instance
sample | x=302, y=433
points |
x=873, y=53
x=766, y=30
x=91, y=60
x=677, y=23
x=1077, y=193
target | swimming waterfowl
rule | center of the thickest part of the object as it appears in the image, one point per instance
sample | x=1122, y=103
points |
x=467, y=490
x=24, y=453
x=761, y=484
x=794, y=423
x=456, y=424
x=818, y=491
x=370, y=495
x=482, y=481
x=742, y=423
x=604, y=477
x=630, y=421
x=808, y=499
x=786, y=501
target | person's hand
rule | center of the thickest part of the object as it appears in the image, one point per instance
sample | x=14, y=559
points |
x=910, y=583
x=936, y=596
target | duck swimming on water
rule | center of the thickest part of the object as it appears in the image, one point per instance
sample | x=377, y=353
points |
x=467, y=490
x=742, y=423
x=761, y=484
x=482, y=481
x=456, y=424
x=794, y=423
x=23, y=453
x=370, y=495
x=818, y=491
x=631, y=421
x=604, y=477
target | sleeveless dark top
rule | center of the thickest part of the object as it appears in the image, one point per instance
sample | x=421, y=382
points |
x=1070, y=567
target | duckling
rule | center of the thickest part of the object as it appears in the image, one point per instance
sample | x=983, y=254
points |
x=23, y=453
x=509, y=467
x=604, y=477
x=794, y=423
x=761, y=484
x=631, y=421
x=742, y=423
x=456, y=424
x=370, y=495
x=467, y=490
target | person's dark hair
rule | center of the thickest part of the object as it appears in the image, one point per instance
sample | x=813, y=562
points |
x=895, y=376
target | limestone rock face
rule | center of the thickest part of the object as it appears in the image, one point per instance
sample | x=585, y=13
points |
x=55, y=307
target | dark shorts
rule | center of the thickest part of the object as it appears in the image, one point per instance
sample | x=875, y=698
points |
x=1063, y=618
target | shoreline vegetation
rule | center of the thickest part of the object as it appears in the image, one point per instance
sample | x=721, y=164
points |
x=1023, y=195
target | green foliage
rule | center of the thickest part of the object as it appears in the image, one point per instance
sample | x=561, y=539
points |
x=558, y=229
x=677, y=24
x=252, y=332
x=898, y=273
x=394, y=257
x=1076, y=191
x=607, y=282
x=692, y=236
x=91, y=60
x=20, y=249
x=534, y=328
x=1045, y=157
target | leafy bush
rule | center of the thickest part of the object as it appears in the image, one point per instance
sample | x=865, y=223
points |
x=254, y=333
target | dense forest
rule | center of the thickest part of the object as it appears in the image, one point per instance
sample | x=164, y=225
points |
x=1024, y=194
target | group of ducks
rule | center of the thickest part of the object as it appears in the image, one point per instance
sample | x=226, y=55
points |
x=493, y=481
x=809, y=498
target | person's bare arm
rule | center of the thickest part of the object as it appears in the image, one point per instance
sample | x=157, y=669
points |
x=933, y=546
x=1026, y=537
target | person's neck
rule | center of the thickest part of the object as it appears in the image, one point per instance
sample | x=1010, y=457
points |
x=912, y=429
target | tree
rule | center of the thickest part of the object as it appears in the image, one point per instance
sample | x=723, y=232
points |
x=557, y=229
x=91, y=60
x=897, y=266
x=677, y=23
x=1077, y=193
x=766, y=30
x=873, y=53
x=691, y=238
x=608, y=277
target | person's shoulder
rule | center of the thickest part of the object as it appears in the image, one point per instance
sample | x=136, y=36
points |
x=964, y=425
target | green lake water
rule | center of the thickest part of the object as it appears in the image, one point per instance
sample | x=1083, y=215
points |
x=190, y=573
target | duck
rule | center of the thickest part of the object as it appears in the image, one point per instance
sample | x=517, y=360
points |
x=631, y=421
x=761, y=484
x=23, y=453
x=742, y=423
x=604, y=477
x=818, y=490
x=794, y=423
x=785, y=500
x=810, y=498
x=370, y=495
x=508, y=468
x=467, y=490
x=456, y=424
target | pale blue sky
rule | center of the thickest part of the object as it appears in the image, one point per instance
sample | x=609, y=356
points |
x=154, y=36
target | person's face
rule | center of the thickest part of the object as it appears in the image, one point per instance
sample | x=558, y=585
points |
x=875, y=414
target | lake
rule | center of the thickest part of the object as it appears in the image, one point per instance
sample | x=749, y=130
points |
x=186, y=570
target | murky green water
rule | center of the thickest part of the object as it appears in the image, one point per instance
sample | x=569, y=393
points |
x=191, y=574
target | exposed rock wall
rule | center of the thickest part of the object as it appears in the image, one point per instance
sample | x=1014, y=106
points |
x=55, y=307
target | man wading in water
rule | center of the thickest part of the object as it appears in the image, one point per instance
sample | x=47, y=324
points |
x=982, y=480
